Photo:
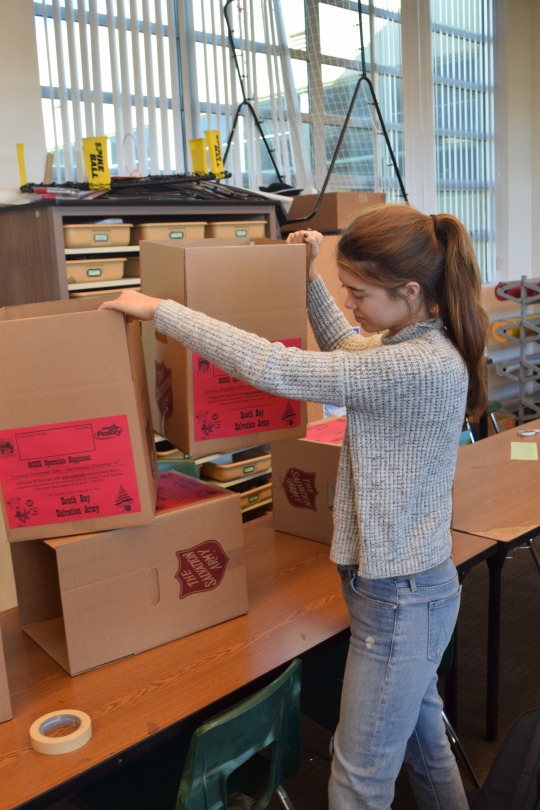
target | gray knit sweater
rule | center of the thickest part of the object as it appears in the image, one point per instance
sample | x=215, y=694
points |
x=405, y=397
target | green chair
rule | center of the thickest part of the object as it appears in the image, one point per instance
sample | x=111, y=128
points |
x=493, y=406
x=247, y=750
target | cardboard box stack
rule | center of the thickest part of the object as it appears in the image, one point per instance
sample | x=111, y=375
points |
x=260, y=287
x=108, y=560
x=304, y=474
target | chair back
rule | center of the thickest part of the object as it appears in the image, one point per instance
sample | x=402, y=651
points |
x=222, y=745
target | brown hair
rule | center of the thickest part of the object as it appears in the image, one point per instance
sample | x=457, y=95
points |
x=393, y=244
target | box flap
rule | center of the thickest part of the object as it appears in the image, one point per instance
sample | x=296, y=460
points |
x=87, y=346
x=5, y=702
x=51, y=637
x=246, y=280
x=45, y=308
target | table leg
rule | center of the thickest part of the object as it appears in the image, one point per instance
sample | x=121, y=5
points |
x=451, y=678
x=495, y=564
x=483, y=426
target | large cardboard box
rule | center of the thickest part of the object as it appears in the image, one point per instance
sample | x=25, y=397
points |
x=304, y=474
x=5, y=702
x=260, y=287
x=92, y=599
x=336, y=209
x=77, y=451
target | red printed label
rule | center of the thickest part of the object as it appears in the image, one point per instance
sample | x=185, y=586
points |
x=175, y=490
x=331, y=432
x=300, y=489
x=200, y=568
x=225, y=406
x=68, y=471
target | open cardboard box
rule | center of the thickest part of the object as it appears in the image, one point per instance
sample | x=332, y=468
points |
x=259, y=287
x=95, y=598
x=77, y=451
x=336, y=209
x=304, y=474
x=5, y=702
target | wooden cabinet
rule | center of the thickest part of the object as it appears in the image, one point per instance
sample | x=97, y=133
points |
x=33, y=254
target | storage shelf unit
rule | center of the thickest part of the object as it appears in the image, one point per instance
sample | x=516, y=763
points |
x=524, y=331
x=33, y=253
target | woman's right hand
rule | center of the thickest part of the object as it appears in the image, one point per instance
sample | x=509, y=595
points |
x=308, y=237
x=134, y=305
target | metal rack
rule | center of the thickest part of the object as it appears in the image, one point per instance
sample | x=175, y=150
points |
x=524, y=331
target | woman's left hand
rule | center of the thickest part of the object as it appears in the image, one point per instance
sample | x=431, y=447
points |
x=308, y=237
x=134, y=305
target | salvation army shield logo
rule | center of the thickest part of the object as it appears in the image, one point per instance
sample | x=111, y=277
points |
x=163, y=390
x=300, y=489
x=200, y=568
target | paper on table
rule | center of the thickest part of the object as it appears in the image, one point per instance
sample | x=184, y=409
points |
x=524, y=451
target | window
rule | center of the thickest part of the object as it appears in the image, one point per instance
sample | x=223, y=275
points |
x=283, y=83
x=463, y=113
x=111, y=68
x=325, y=48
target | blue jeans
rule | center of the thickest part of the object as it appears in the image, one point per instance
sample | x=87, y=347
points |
x=391, y=712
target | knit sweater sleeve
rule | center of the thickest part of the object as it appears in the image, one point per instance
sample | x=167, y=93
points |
x=292, y=372
x=331, y=329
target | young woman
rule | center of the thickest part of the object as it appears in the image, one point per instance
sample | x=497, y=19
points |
x=412, y=279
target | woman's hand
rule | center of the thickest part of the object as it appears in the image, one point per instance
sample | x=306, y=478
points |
x=134, y=305
x=308, y=237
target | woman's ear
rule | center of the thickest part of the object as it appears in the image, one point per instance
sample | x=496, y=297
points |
x=412, y=290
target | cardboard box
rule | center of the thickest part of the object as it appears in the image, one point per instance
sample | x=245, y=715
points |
x=336, y=209
x=5, y=701
x=304, y=474
x=259, y=287
x=505, y=421
x=77, y=452
x=92, y=599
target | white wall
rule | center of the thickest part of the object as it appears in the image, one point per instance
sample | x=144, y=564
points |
x=21, y=120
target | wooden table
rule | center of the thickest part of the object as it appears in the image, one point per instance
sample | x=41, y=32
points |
x=295, y=604
x=497, y=498
x=137, y=703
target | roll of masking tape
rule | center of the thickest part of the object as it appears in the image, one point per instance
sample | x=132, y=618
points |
x=68, y=742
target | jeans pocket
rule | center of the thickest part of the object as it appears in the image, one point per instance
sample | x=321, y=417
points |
x=443, y=615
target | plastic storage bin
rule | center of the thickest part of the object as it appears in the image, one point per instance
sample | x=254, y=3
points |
x=252, y=493
x=160, y=231
x=253, y=229
x=235, y=465
x=95, y=269
x=97, y=234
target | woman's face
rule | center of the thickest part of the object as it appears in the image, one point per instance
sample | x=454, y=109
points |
x=375, y=310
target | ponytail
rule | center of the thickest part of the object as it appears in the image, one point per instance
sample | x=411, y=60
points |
x=392, y=244
x=460, y=307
